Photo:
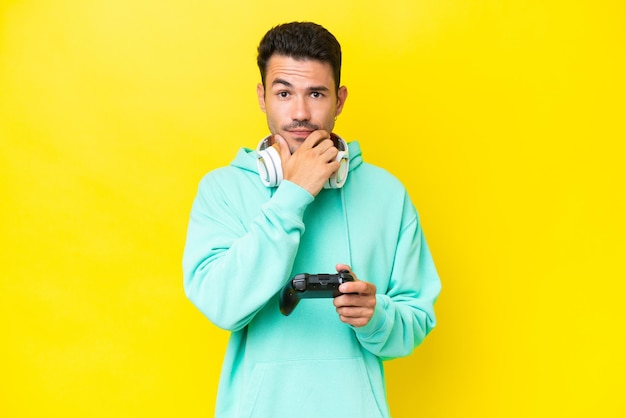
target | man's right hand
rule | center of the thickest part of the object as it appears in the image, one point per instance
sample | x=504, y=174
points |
x=312, y=163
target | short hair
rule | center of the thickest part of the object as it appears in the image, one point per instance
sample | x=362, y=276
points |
x=301, y=41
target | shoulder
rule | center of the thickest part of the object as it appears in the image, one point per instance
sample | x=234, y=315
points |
x=241, y=169
x=220, y=176
x=369, y=175
x=375, y=178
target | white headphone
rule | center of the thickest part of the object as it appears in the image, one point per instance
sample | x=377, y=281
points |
x=271, y=169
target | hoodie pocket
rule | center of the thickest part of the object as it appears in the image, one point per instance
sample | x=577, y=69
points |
x=310, y=388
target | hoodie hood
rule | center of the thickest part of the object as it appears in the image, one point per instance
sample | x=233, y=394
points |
x=246, y=158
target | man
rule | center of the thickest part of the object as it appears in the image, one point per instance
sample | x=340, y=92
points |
x=324, y=209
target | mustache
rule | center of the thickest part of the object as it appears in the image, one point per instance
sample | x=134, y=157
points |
x=299, y=124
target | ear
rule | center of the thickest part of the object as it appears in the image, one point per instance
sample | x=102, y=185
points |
x=342, y=95
x=260, y=92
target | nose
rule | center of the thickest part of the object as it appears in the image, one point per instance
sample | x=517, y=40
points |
x=300, y=109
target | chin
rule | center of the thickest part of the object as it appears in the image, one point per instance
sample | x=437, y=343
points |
x=294, y=143
x=294, y=147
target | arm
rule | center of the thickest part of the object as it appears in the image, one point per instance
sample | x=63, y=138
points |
x=234, y=264
x=391, y=325
x=231, y=269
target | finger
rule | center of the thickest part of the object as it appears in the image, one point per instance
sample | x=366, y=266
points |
x=353, y=300
x=339, y=267
x=315, y=138
x=348, y=311
x=356, y=286
x=354, y=313
x=329, y=152
x=283, y=148
x=355, y=322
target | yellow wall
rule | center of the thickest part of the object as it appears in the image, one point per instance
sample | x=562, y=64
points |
x=504, y=119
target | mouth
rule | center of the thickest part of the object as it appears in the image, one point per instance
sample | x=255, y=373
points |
x=300, y=134
x=299, y=130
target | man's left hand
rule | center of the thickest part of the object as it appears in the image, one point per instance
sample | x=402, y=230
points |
x=356, y=307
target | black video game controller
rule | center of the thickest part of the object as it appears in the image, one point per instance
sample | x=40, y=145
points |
x=306, y=285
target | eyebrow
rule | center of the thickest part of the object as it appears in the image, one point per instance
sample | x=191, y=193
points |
x=288, y=84
x=281, y=81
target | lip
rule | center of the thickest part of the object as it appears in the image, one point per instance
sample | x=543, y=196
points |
x=301, y=134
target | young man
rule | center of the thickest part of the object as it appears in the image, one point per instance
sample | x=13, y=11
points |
x=306, y=202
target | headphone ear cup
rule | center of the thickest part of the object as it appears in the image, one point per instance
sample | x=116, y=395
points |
x=337, y=180
x=269, y=166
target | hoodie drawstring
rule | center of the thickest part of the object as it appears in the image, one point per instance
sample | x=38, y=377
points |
x=347, y=226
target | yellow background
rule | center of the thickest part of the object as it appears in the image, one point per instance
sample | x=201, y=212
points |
x=505, y=120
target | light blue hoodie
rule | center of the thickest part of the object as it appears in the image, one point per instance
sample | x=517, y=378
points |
x=245, y=241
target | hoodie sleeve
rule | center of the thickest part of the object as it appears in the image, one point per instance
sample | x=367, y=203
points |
x=230, y=268
x=404, y=314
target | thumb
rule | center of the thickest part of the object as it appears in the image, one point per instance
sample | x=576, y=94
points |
x=341, y=267
x=283, y=148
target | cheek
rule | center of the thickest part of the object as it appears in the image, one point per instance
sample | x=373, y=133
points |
x=320, y=114
x=274, y=111
x=329, y=119
x=274, y=117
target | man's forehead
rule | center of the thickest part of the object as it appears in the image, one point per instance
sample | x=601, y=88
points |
x=282, y=68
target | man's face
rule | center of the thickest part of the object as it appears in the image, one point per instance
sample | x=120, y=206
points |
x=299, y=97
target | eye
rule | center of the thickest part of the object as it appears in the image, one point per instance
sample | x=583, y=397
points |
x=283, y=94
x=316, y=95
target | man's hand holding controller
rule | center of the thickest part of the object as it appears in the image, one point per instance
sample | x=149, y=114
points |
x=356, y=304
